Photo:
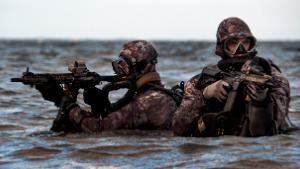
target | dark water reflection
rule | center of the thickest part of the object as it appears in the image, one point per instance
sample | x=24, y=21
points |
x=25, y=118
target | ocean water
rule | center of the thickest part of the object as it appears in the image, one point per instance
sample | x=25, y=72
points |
x=25, y=140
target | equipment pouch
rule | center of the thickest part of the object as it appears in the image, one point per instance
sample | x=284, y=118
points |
x=260, y=119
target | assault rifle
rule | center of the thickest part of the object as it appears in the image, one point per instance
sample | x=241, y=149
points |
x=79, y=75
x=236, y=80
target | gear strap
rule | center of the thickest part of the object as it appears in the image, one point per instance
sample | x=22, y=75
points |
x=174, y=93
x=149, y=77
x=132, y=86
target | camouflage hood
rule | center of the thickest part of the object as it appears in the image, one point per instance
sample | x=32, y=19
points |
x=230, y=27
x=138, y=51
x=140, y=57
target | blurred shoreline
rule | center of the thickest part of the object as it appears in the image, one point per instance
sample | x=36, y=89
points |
x=125, y=40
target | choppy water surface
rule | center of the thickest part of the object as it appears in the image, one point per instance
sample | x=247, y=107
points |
x=25, y=117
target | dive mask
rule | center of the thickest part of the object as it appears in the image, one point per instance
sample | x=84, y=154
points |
x=121, y=66
x=239, y=45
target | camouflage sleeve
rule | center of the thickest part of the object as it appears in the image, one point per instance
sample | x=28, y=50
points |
x=280, y=96
x=151, y=108
x=123, y=118
x=158, y=107
x=189, y=109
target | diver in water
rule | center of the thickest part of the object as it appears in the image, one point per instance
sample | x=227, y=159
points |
x=147, y=106
x=257, y=110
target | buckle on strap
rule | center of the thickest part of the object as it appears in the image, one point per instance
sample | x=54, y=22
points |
x=201, y=125
x=220, y=131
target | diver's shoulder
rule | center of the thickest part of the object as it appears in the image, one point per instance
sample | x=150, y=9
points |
x=198, y=76
x=274, y=66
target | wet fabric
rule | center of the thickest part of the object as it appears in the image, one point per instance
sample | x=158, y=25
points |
x=150, y=109
x=193, y=106
x=263, y=114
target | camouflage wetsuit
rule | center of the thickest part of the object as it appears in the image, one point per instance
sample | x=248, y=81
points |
x=194, y=105
x=147, y=108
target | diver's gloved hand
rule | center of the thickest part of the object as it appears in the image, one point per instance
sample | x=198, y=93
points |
x=62, y=121
x=52, y=91
x=92, y=96
x=257, y=93
x=216, y=90
x=96, y=99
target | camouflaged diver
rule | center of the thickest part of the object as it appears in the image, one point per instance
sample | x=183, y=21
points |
x=257, y=110
x=145, y=106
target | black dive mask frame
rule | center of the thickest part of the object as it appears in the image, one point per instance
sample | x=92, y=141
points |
x=240, y=49
x=122, y=63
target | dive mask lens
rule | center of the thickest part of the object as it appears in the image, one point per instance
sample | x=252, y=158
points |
x=120, y=67
x=239, y=45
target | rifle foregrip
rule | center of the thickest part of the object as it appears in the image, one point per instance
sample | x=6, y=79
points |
x=16, y=80
x=230, y=101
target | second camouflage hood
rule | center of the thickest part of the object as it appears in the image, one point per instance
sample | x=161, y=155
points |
x=228, y=27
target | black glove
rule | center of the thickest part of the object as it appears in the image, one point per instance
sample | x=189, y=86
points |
x=51, y=91
x=97, y=100
x=257, y=93
x=62, y=121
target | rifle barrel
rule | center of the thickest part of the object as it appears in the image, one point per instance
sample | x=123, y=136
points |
x=16, y=80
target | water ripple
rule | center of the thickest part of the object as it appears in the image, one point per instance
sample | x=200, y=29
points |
x=26, y=117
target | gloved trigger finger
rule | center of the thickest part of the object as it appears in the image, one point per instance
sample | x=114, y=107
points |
x=253, y=96
x=222, y=97
x=251, y=89
x=225, y=84
x=219, y=99
x=223, y=92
